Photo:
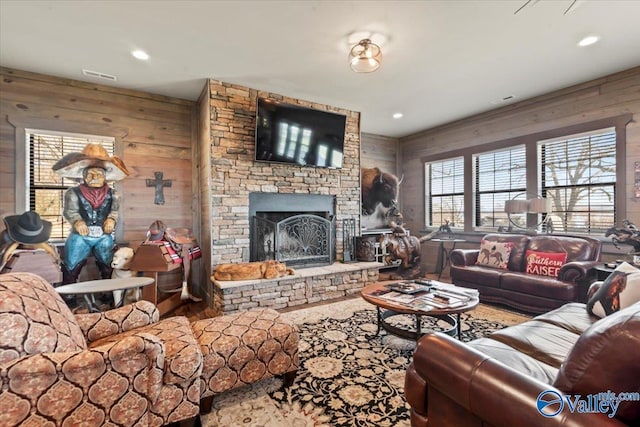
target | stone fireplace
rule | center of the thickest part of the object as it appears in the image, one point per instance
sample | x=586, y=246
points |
x=298, y=229
x=236, y=177
x=237, y=186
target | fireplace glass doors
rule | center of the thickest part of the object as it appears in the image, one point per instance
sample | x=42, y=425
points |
x=299, y=240
x=297, y=229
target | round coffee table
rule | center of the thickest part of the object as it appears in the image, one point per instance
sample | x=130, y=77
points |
x=387, y=309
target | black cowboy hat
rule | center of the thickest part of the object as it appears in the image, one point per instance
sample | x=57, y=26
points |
x=27, y=228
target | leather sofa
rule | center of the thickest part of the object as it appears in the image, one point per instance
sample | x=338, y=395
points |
x=125, y=366
x=528, y=292
x=497, y=380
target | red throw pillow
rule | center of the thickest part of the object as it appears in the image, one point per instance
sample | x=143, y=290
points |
x=545, y=263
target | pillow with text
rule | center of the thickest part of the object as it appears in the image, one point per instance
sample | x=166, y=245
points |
x=545, y=263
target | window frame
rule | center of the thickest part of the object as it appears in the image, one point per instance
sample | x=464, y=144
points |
x=428, y=215
x=542, y=146
x=530, y=141
x=511, y=191
x=65, y=183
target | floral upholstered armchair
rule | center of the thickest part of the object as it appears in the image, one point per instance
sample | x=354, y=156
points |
x=92, y=369
x=124, y=367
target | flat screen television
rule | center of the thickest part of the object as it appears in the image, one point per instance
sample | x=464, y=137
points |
x=289, y=133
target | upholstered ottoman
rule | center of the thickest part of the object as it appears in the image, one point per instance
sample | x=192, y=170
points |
x=243, y=348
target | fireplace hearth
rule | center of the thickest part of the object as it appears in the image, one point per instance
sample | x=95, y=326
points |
x=298, y=229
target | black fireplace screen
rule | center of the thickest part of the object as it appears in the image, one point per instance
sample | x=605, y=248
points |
x=299, y=240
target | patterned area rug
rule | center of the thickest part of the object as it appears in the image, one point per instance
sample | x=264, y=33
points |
x=345, y=378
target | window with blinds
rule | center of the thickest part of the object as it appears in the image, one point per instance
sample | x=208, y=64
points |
x=46, y=189
x=499, y=176
x=578, y=174
x=445, y=192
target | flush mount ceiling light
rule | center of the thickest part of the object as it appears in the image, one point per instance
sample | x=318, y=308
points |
x=397, y=115
x=140, y=54
x=588, y=41
x=365, y=57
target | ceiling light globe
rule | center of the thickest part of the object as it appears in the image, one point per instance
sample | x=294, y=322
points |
x=365, y=57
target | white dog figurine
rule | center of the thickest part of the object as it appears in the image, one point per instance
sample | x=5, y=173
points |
x=121, y=269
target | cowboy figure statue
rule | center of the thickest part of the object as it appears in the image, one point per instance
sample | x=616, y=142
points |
x=91, y=208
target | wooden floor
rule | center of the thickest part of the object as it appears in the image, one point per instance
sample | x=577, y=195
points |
x=197, y=311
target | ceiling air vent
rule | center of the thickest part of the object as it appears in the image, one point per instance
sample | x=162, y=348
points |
x=99, y=75
x=504, y=99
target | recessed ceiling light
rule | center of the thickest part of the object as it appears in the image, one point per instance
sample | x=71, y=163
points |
x=140, y=54
x=588, y=41
x=397, y=115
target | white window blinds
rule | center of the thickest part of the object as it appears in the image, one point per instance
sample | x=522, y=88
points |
x=578, y=174
x=46, y=189
x=445, y=192
x=498, y=176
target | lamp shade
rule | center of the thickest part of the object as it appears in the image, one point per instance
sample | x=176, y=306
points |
x=365, y=57
x=516, y=206
x=540, y=205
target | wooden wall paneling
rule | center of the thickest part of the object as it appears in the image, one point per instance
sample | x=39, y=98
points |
x=203, y=160
x=631, y=83
x=135, y=127
x=522, y=116
x=11, y=74
x=23, y=91
x=379, y=151
x=177, y=170
x=152, y=132
x=590, y=101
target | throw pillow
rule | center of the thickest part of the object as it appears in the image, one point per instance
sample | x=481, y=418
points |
x=545, y=263
x=620, y=290
x=494, y=254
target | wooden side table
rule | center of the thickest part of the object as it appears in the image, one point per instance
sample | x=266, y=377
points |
x=602, y=272
x=150, y=260
x=444, y=254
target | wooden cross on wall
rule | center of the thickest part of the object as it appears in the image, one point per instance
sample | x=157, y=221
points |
x=159, y=184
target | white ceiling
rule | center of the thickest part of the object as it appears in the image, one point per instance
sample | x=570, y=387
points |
x=444, y=60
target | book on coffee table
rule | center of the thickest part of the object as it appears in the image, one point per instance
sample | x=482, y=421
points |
x=436, y=302
x=420, y=305
x=455, y=290
x=407, y=287
x=398, y=297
